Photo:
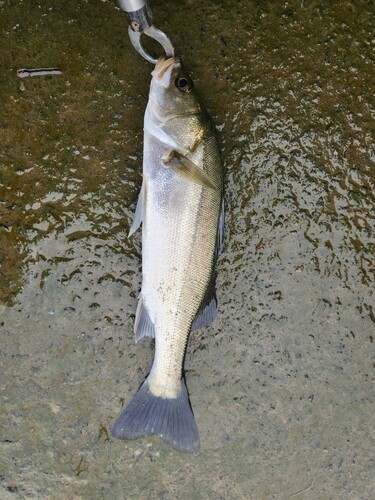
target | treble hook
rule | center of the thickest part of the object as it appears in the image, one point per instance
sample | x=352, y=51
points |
x=139, y=17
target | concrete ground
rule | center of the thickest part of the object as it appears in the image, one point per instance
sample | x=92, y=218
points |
x=282, y=384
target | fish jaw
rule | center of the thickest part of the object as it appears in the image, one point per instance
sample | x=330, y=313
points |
x=162, y=83
x=163, y=70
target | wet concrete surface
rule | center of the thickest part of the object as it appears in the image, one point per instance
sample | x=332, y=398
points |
x=282, y=384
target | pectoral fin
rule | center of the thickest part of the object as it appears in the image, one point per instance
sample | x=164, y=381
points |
x=187, y=169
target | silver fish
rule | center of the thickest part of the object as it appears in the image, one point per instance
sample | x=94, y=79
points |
x=180, y=207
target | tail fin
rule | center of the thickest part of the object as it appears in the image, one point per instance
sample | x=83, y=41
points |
x=170, y=419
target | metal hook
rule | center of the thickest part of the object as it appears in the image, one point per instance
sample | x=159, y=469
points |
x=139, y=17
x=159, y=36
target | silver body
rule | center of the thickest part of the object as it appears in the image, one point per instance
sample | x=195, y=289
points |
x=179, y=238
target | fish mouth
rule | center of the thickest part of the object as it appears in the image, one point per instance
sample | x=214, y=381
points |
x=163, y=69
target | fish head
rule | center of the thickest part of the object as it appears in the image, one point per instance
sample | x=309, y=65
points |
x=173, y=103
x=172, y=88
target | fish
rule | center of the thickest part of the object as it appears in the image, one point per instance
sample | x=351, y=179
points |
x=180, y=207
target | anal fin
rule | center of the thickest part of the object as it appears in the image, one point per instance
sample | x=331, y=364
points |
x=143, y=326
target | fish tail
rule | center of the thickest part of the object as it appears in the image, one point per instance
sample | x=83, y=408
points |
x=169, y=418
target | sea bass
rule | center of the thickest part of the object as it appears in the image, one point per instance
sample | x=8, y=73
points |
x=180, y=208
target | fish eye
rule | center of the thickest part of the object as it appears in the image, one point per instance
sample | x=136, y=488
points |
x=184, y=83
